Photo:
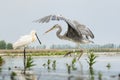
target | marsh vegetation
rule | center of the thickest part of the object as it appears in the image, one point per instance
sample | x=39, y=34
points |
x=89, y=67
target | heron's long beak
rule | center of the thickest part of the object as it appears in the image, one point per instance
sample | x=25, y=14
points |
x=38, y=38
x=49, y=30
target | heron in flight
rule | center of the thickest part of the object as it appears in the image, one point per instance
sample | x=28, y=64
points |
x=76, y=32
x=24, y=41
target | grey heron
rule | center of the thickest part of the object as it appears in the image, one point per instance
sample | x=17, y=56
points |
x=76, y=32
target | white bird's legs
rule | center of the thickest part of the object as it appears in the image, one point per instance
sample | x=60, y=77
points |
x=24, y=60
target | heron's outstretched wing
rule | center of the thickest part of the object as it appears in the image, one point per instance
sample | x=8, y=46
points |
x=72, y=32
x=83, y=29
x=72, y=27
x=46, y=19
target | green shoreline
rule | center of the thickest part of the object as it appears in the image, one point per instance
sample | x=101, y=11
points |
x=51, y=52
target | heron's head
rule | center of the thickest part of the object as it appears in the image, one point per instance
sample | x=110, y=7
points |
x=54, y=27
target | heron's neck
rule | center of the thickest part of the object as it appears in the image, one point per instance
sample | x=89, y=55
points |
x=58, y=32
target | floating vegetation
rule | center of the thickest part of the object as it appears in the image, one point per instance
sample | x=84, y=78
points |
x=29, y=63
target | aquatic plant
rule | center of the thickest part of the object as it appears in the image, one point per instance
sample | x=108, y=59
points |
x=91, y=59
x=48, y=63
x=54, y=65
x=68, y=68
x=73, y=64
x=1, y=61
x=91, y=73
x=44, y=65
x=99, y=76
x=12, y=75
x=29, y=62
x=108, y=66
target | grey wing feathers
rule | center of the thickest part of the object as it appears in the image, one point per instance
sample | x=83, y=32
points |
x=83, y=29
x=80, y=29
x=46, y=19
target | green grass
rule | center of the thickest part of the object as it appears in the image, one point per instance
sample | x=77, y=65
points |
x=34, y=52
x=50, y=52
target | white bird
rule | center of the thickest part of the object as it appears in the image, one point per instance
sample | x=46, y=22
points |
x=26, y=39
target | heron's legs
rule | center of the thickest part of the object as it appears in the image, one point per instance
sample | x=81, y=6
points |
x=77, y=46
x=81, y=53
x=74, y=51
x=68, y=53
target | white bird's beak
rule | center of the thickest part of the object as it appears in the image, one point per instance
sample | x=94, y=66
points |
x=38, y=38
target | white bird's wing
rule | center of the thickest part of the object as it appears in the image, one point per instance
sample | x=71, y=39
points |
x=23, y=41
x=83, y=29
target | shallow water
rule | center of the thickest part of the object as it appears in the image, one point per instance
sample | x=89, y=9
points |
x=61, y=73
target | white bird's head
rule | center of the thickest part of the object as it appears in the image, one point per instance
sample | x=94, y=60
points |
x=33, y=34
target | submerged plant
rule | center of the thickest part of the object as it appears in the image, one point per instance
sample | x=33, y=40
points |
x=29, y=62
x=91, y=59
